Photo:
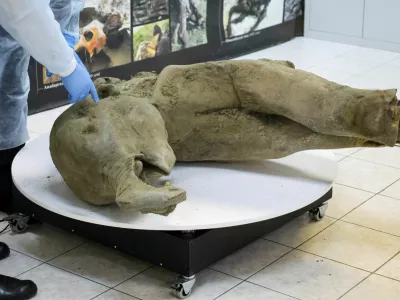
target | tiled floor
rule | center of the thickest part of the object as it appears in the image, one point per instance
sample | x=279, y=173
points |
x=352, y=254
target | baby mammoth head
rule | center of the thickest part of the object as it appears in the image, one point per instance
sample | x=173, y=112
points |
x=111, y=151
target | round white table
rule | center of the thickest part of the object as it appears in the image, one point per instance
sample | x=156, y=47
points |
x=218, y=194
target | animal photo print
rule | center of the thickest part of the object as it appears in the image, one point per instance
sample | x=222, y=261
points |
x=188, y=23
x=163, y=26
x=149, y=11
x=105, y=36
x=241, y=17
x=293, y=9
x=151, y=40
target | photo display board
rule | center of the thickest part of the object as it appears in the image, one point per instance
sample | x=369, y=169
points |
x=119, y=38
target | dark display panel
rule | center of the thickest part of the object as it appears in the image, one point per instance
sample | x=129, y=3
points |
x=120, y=38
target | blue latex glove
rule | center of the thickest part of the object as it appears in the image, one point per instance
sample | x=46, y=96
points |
x=79, y=85
x=71, y=41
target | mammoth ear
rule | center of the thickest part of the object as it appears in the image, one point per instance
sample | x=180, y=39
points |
x=107, y=90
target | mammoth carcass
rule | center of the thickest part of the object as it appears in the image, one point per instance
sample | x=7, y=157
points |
x=216, y=111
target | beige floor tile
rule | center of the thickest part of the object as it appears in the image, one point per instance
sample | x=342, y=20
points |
x=298, y=231
x=391, y=268
x=393, y=190
x=344, y=200
x=99, y=263
x=389, y=156
x=354, y=245
x=380, y=213
x=114, y=295
x=251, y=259
x=369, y=177
x=42, y=242
x=153, y=284
x=249, y=291
x=375, y=288
x=54, y=283
x=309, y=277
x=17, y=264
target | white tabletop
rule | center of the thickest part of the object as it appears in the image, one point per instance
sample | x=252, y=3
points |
x=219, y=195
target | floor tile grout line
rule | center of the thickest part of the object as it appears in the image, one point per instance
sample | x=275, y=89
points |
x=134, y=297
x=387, y=277
x=272, y=289
x=294, y=248
x=99, y=294
x=388, y=186
x=210, y=268
x=270, y=263
x=42, y=263
x=369, y=275
x=111, y=289
x=370, y=228
x=372, y=162
x=390, y=197
x=72, y=249
x=133, y=276
x=78, y=275
x=81, y=276
x=377, y=269
x=373, y=196
x=356, y=188
x=346, y=214
x=227, y=290
x=47, y=262
x=335, y=221
x=333, y=260
x=375, y=193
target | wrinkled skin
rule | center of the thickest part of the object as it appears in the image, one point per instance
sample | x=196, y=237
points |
x=219, y=111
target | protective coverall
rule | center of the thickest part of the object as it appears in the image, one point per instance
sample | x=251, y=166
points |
x=32, y=28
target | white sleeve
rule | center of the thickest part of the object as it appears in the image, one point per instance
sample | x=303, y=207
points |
x=31, y=23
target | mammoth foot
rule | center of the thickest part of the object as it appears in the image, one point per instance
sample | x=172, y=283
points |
x=148, y=199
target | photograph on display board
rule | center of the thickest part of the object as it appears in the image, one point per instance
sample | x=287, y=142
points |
x=293, y=9
x=105, y=36
x=241, y=17
x=149, y=11
x=188, y=23
x=151, y=40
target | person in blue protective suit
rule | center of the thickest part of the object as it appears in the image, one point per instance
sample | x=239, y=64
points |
x=47, y=31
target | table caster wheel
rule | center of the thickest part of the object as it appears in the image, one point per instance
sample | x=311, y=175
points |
x=17, y=222
x=183, y=286
x=318, y=213
x=180, y=292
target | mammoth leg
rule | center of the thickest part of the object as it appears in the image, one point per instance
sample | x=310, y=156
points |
x=323, y=106
x=276, y=88
x=133, y=194
x=236, y=135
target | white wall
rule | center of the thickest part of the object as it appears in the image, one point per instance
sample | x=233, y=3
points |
x=370, y=23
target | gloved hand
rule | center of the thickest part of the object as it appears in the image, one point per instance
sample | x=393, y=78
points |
x=71, y=41
x=79, y=85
